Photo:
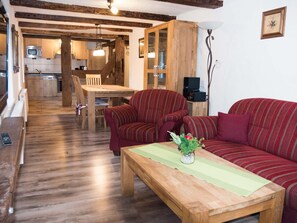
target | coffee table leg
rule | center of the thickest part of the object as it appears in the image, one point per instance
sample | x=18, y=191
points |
x=194, y=215
x=274, y=214
x=127, y=177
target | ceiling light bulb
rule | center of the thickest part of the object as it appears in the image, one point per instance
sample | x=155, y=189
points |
x=114, y=10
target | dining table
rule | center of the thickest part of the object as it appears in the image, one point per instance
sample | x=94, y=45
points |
x=102, y=91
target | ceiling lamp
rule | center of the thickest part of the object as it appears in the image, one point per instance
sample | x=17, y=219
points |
x=114, y=10
x=99, y=51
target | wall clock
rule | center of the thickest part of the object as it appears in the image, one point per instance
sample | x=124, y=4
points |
x=273, y=23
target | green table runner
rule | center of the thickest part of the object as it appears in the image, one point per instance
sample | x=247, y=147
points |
x=229, y=178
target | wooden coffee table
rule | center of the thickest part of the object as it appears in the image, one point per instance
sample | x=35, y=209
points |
x=194, y=200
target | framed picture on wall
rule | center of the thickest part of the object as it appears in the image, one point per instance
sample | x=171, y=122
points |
x=141, y=47
x=15, y=49
x=273, y=23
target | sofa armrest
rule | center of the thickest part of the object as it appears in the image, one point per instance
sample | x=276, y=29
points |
x=201, y=126
x=120, y=115
x=172, y=117
x=170, y=122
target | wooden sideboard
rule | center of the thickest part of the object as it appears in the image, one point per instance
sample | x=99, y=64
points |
x=197, y=108
x=10, y=158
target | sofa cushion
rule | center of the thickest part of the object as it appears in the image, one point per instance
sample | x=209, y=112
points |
x=139, y=132
x=281, y=171
x=233, y=127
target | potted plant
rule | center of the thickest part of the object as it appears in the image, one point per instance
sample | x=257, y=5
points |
x=187, y=144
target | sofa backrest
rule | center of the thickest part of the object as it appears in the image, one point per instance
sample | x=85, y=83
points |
x=152, y=104
x=272, y=125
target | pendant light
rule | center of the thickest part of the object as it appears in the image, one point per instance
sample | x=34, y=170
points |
x=114, y=10
x=99, y=51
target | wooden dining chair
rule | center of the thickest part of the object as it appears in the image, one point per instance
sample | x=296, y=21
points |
x=81, y=104
x=95, y=79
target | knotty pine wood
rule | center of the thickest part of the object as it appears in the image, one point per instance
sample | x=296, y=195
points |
x=70, y=175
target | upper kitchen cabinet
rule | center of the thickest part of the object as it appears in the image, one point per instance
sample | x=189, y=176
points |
x=49, y=47
x=79, y=49
x=170, y=54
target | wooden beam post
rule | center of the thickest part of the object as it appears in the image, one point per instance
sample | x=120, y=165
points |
x=66, y=71
x=120, y=57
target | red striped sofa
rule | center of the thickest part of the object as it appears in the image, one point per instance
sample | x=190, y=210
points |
x=272, y=144
x=147, y=118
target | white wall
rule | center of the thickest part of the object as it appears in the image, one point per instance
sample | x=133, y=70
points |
x=249, y=66
x=15, y=80
x=136, y=64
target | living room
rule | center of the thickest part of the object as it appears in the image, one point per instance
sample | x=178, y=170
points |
x=247, y=66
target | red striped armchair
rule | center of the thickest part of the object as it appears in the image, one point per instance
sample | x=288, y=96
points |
x=147, y=118
x=271, y=149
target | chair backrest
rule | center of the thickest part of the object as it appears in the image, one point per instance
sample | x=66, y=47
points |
x=78, y=90
x=93, y=79
x=152, y=104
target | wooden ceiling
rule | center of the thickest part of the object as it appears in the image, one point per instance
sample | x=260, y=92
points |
x=50, y=23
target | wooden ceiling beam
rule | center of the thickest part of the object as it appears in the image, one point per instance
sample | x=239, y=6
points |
x=71, y=34
x=104, y=41
x=69, y=27
x=212, y=4
x=89, y=10
x=60, y=18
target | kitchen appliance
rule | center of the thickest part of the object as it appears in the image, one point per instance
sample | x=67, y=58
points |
x=33, y=51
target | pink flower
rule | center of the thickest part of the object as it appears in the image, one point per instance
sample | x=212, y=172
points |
x=188, y=137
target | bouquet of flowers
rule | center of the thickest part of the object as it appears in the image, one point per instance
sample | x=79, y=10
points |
x=186, y=143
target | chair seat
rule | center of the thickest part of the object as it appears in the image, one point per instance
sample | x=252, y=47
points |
x=279, y=170
x=138, y=131
x=100, y=102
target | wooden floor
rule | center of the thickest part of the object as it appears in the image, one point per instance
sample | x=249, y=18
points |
x=70, y=175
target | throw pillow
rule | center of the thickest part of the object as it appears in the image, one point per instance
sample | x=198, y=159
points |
x=233, y=127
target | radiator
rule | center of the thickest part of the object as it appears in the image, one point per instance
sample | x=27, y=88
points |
x=21, y=107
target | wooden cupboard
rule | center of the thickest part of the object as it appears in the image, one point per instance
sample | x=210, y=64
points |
x=49, y=47
x=79, y=50
x=170, y=54
x=197, y=108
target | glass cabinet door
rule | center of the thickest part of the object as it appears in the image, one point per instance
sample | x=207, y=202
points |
x=155, y=57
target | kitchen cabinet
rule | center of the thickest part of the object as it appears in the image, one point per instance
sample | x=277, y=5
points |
x=79, y=50
x=49, y=47
x=41, y=86
x=170, y=54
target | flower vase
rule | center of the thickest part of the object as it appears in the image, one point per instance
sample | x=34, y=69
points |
x=188, y=158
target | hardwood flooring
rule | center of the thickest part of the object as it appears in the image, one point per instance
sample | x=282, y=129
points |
x=70, y=175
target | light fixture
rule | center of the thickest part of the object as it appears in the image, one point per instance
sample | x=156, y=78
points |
x=99, y=51
x=209, y=26
x=114, y=10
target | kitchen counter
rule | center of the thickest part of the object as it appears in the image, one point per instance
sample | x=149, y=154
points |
x=42, y=84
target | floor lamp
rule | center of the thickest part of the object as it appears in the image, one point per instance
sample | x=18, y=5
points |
x=209, y=26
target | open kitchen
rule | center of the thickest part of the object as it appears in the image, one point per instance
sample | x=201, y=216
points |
x=44, y=67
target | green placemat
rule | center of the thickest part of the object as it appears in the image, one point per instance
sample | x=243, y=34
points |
x=229, y=178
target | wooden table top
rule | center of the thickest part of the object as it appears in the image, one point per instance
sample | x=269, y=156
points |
x=185, y=192
x=107, y=88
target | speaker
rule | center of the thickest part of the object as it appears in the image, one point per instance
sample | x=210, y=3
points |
x=199, y=96
x=192, y=83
